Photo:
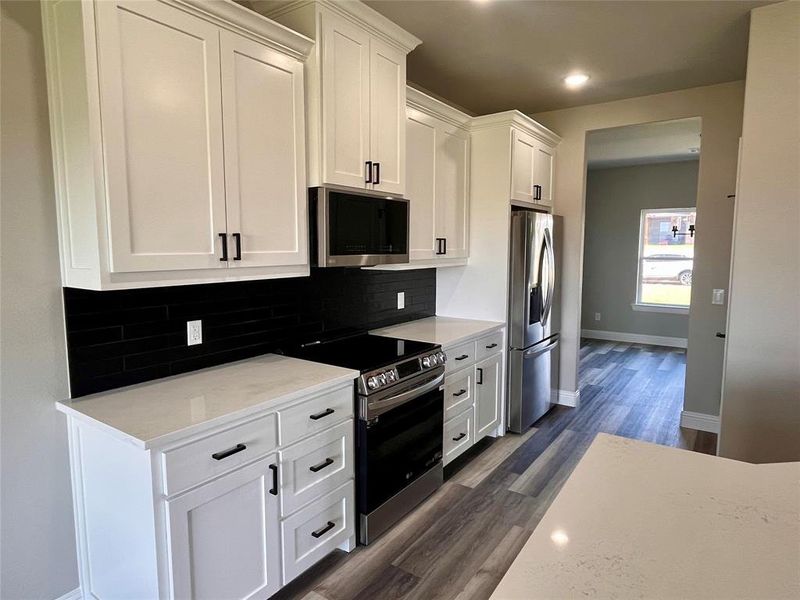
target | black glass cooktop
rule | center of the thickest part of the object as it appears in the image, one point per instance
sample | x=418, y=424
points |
x=361, y=352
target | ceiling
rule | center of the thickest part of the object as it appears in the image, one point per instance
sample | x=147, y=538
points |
x=664, y=141
x=494, y=55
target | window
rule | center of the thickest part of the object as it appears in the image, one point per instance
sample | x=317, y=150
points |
x=665, y=259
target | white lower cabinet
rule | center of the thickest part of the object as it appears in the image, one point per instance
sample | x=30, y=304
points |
x=474, y=392
x=224, y=540
x=235, y=511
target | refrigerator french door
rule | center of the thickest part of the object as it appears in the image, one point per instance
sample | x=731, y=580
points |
x=532, y=319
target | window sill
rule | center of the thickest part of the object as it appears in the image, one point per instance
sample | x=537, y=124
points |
x=660, y=308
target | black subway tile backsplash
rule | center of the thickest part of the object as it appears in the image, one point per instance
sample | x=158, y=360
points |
x=119, y=338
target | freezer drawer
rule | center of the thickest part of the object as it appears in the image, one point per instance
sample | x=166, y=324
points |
x=533, y=383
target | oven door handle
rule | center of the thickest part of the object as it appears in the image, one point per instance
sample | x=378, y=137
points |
x=382, y=406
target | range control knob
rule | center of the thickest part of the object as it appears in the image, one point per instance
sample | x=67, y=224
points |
x=390, y=376
x=382, y=378
x=426, y=362
x=440, y=355
x=372, y=383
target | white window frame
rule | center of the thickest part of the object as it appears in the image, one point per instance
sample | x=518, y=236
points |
x=637, y=304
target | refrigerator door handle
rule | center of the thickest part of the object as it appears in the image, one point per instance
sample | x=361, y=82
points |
x=551, y=267
x=537, y=351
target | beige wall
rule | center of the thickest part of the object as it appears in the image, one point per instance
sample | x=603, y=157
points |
x=720, y=107
x=38, y=543
x=761, y=403
x=614, y=201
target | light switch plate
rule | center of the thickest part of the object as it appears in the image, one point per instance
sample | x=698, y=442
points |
x=194, y=333
x=718, y=297
x=401, y=300
x=596, y=316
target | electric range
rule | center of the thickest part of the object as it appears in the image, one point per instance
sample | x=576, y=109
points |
x=399, y=403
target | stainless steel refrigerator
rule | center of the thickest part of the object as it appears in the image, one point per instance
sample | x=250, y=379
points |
x=533, y=323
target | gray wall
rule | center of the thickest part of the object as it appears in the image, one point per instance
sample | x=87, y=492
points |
x=38, y=543
x=720, y=107
x=760, y=418
x=614, y=200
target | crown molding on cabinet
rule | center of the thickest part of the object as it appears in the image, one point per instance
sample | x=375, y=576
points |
x=436, y=108
x=357, y=12
x=517, y=120
x=232, y=16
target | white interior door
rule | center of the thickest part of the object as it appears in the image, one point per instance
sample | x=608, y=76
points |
x=421, y=187
x=223, y=537
x=387, y=117
x=487, y=395
x=265, y=189
x=522, y=150
x=345, y=102
x=543, y=172
x=162, y=136
x=452, y=175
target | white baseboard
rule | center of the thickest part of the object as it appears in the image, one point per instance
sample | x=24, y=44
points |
x=567, y=398
x=700, y=421
x=635, y=338
x=73, y=595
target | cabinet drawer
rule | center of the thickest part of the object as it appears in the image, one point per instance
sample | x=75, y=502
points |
x=315, y=466
x=489, y=344
x=460, y=356
x=210, y=456
x=319, y=528
x=458, y=392
x=315, y=414
x=459, y=433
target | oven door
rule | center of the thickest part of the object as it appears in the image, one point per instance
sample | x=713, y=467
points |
x=400, y=444
x=356, y=229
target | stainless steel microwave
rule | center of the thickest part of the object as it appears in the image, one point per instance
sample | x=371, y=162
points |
x=357, y=229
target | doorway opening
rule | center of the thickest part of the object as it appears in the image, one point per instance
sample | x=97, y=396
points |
x=638, y=263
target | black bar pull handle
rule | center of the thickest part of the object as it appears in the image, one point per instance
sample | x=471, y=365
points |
x=462, y=357
x=480, y=376
x=445, y=245
x=368, y=172
x=324, y=413
x=237, y=238
x=377, y=166
x=224, y=238
x=460, y=392
x=326, y=463
x=490, y=346
x=229, y=452
x=274, y=489
x=460, y=436
x=320, y=532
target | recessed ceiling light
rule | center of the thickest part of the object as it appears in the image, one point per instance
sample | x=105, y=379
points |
x=576, y=80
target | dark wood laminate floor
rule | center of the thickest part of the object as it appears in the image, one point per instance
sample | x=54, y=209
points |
x=462, y=540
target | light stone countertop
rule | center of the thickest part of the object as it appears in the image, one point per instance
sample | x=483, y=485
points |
x=446, y=331
x=638, y=520
x=157, y=412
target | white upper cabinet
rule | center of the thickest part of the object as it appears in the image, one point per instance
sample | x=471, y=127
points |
x=356, y=93
x=345, y=102
x=178, y=142
x=262, y=103
x=387, y=85
x=532, y=162
x=438, y=180
x=162, y=130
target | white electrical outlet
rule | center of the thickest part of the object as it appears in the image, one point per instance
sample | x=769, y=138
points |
x=596, y=316
x=401, y=300
x=194, y=333
x=718, y=297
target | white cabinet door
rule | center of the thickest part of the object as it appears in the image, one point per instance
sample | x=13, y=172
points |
x=345, y=101
x=262, y=100
x=387, y=84
x=162, y=135
x=488, y=379
x=421, y=187
x=522, y=152
x=452, y=175
x=224, y=537
x=543, y=172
